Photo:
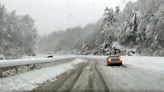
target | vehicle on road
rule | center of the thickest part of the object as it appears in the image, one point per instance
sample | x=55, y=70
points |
x=114, y=60
x=2, y=57
x=1, y=54
x=49, y=55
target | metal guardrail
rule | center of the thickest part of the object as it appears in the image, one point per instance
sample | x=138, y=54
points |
x=14, y=67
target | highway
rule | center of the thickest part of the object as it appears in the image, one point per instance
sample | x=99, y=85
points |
x=137, y=74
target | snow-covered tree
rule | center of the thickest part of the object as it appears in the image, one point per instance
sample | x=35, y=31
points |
x=17, y=34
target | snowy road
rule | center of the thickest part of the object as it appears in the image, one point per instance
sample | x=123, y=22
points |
x=137, y=74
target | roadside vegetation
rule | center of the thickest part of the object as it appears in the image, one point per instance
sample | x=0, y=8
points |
x=17, y=34
x=139, y=26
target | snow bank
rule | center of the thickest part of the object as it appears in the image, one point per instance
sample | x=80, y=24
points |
x=30, y=80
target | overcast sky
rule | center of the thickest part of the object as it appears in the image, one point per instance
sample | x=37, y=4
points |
x=54, y=15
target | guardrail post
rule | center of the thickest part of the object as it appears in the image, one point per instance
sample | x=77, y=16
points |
x=0, y=72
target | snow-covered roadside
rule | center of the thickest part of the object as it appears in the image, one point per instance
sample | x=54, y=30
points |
x=37, y=56
x=45, y=56
x=6, y=63
x=29, y=80
x=146, y=62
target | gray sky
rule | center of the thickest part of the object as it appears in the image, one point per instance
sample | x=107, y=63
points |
x=54, y=15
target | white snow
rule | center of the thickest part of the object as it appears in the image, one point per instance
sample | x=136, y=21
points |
x=149, y=63
x=44, y=56
x=6, y=63
x=29, y=80
x=119, y=46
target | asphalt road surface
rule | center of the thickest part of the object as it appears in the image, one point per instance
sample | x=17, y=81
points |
x=95, y=76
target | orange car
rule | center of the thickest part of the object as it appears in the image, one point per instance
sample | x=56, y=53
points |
x=114, y=60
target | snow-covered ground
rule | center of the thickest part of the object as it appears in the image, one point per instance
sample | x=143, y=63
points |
x=149, y=63
x=29, y=80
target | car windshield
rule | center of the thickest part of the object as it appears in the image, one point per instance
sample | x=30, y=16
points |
x=81, y=45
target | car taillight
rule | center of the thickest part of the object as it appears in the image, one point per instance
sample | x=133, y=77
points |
x=121, y=59
x=109, y=59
